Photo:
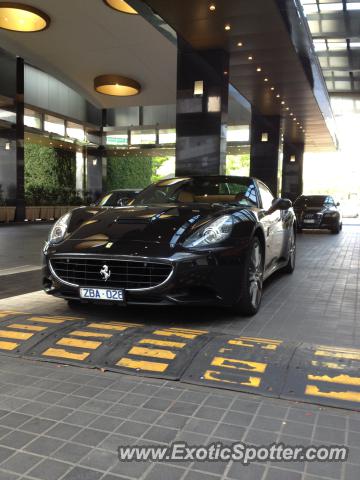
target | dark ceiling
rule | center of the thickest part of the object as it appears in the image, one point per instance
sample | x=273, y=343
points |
x=274, y=33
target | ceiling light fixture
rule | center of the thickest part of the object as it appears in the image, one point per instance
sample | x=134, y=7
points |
x=266, y=79
x=278, y=95
x=22, y=18
x=291, y=114
x=240, y=44
x=116, y=85
x=250, y=58
x=227, y=27
x=283, y=103
x=258, y=69
x=121, y=6
x=272, y=88
x=212, y=8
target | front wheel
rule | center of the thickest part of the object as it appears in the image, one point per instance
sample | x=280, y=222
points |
x=252, y=280
x=290, y=266
x=337, y=228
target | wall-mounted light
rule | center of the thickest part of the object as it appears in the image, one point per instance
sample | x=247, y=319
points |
x=214, y=104
x=198, y=88
x=265, y=137
x=116, y=85
x=121, y=6
x=94, y=162
x=7, y=146
x=292, y=159
x=22, y=18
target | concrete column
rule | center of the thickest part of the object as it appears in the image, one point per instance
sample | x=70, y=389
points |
x=201, y=111
x=264, y=150
x=20, y=163
x=292, y=174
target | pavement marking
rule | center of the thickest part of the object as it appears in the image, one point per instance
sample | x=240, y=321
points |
x=21, y=269
x=8, y=313
x=15, y=335
x=142, y=365
x=348, y=396
x=73, y=342
x=8, y=345
x=327, y=375
x=60, y=353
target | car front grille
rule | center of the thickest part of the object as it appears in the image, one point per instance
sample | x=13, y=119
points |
x=309, y=216
x=127, y=274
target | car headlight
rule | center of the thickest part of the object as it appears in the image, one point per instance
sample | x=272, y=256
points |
x=332, y=214
x=215, y=232
x=58, y=231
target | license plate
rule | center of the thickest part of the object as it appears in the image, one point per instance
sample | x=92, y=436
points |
x=309, y=221
x=108, y=294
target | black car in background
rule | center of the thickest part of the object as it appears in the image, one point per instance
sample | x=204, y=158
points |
x=318, y=212
x=207, y=240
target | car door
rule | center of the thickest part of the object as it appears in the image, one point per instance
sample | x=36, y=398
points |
x=273, y=227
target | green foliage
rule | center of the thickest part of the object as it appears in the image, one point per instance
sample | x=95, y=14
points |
x=50, y=176
x=238, y=164
x=128, y=172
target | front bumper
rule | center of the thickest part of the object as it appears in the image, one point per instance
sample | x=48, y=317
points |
x=209, y=278
x=318, y=223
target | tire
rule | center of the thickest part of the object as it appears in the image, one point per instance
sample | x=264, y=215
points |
x=290, y=266
x=74, y=304
x=337, y=228
x=252, y=279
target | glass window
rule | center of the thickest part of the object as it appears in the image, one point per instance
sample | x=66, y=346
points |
x=54, y=125
x=117, y=139
x=167, y=136
x=32, y=119
x=233, y=190
x=7, y=115
x=238, y=133
x=267, y=197
x=143, y=137
x=74, y=130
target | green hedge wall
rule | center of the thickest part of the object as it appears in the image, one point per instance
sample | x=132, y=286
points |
x=128, y=172
x=50, y=175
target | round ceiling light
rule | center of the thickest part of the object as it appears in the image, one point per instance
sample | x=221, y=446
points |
x=22, y=18
x=116, y=85
x=121, y=6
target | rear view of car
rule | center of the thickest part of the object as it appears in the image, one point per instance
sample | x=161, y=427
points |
x=318, y=212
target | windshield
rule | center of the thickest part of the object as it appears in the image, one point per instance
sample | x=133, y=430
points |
x=310, y=201
x=234, y=190
x=115, y=199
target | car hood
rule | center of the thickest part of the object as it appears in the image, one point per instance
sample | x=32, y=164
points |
x=309, y=209
x=160, y=223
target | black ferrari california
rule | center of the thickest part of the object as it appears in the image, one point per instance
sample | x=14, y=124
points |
x=206, y=240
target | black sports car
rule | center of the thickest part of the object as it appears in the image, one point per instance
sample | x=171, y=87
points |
x=207, y=240
x=318, y=212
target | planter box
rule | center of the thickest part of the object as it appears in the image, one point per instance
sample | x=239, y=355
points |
x=32, y=213
x=7, y=214
x=47, y=212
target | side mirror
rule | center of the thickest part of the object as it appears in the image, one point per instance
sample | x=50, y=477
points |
x=280, y=204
